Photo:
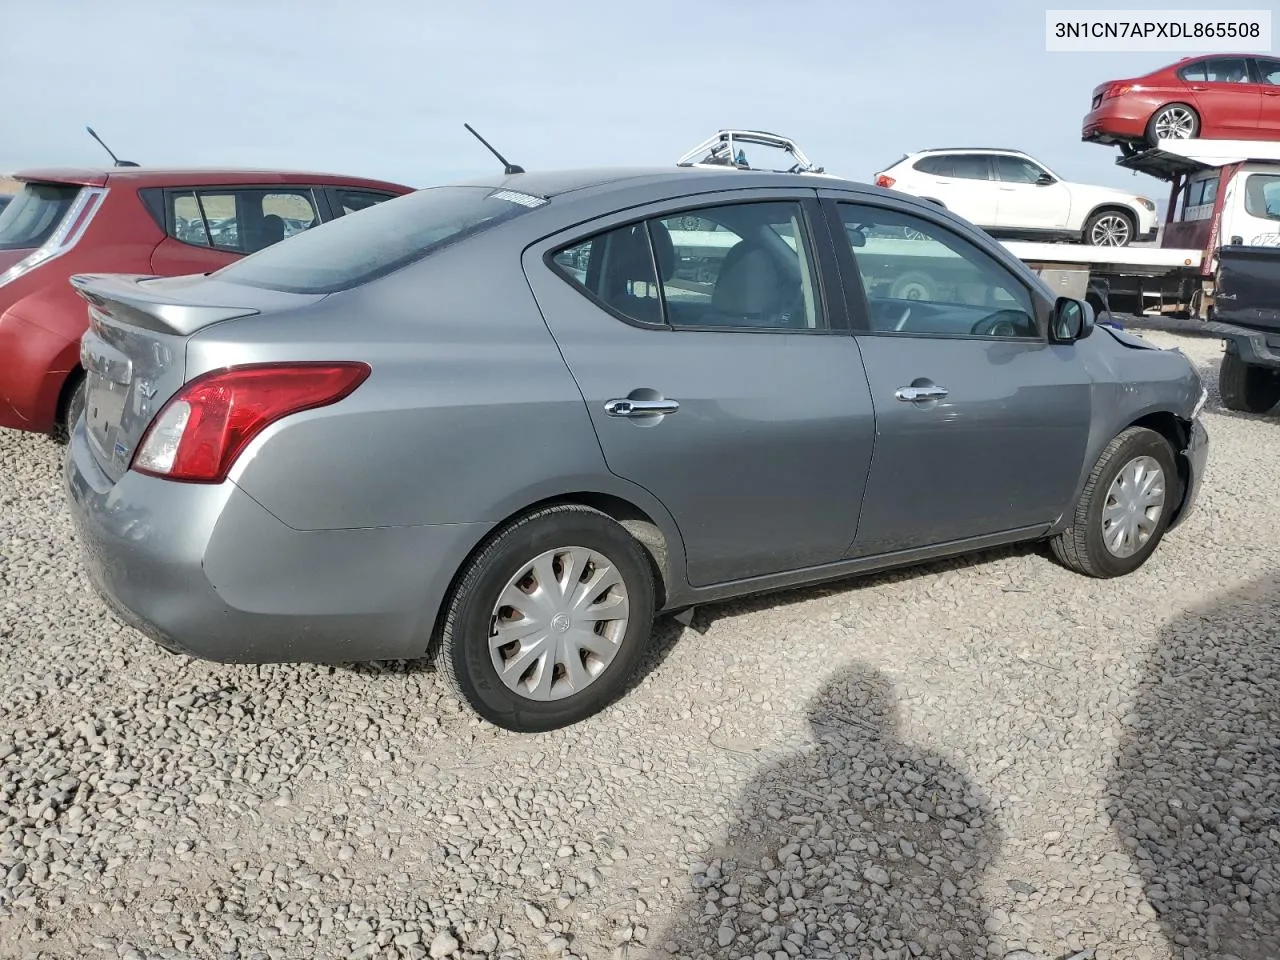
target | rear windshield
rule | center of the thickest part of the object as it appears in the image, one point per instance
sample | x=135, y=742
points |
x=34, y=214
x=371, y=243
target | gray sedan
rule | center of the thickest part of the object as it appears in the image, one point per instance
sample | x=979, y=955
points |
x=507, y=423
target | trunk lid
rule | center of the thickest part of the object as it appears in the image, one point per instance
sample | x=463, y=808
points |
x=134, y=352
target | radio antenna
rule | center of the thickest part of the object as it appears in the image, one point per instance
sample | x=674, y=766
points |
x=508, y=168
x=118, y=161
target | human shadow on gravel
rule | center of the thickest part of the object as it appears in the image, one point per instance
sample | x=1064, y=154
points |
x=862, y=845
x=1195, y=792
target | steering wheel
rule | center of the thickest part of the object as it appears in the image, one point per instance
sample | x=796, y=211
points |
x=1002, y=323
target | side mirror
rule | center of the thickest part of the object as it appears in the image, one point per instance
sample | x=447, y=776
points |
x=1045, y=180
x=1072, y=320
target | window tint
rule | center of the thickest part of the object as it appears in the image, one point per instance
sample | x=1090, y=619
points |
x=34, y=214
x=1017, y=170
x=617, y=268
x=741, y=266
x=1262, y=195
x=240, y=221
x=970, y=166
x=349, y=201
x=1227, y=70
x=938, y=166
x=349, y=251
x=1269, y=71
x=936, y=283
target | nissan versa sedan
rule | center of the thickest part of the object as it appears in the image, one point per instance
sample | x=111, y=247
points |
x=506, y=423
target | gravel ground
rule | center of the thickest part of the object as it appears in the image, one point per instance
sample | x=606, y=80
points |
x=987, y=758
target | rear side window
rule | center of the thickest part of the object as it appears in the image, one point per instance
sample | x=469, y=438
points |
x=728, y=267
x=1218, y=70
x=240, y=221
x=350, y=251
x=34, y=214
x=350, y=201
x=938, y=166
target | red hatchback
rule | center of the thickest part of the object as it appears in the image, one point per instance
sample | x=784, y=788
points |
x=1222, y=97
x=131, y=220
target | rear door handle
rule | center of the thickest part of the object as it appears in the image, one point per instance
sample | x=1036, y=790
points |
x=640, y=408
x=914, y=394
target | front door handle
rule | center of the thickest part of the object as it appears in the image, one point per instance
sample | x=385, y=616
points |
x=915, y=394
x=640, y=408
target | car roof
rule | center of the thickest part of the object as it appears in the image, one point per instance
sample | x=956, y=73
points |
x=598, y=180
x=1021, y=153
x=195, y=176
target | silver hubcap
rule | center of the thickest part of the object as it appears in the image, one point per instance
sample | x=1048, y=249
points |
x=1133, y=508
x=558, y=623
x=1175, y=124
x=1110, y=231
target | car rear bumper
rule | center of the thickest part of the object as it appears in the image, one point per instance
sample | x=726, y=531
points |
x=206, y=571
x=1115, y=121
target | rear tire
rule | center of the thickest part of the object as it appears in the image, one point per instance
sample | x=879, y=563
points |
x=1178, y=121
x=1103, y=513
x=547, y=680
x=1246, y=388
x=72, y=409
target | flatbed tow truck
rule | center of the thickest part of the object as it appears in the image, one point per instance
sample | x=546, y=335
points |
x=1217, y=259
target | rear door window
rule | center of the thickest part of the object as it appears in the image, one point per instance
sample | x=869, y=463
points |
x=240, y=220
x=33, y=216
x=346, y=200
x=971, y=166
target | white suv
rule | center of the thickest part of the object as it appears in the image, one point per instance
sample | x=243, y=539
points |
x=1010, y=194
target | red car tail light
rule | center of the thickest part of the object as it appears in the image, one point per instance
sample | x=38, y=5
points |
x=205, y=426
x=883, y=181
x=1117, y=90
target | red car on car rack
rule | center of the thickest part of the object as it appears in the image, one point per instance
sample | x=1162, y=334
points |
x=130, y=219
x=1219, y=97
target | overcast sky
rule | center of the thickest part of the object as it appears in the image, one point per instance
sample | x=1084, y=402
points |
x=382, y=87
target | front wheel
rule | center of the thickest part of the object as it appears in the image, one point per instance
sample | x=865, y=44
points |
x=1109, y=228
x=1246, y=388
x=549, y=620
x=1124, y=508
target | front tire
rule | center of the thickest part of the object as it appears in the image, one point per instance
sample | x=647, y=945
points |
x=548, y=622
x=1124, y=508
x=1245, y=388
x=1110, y=228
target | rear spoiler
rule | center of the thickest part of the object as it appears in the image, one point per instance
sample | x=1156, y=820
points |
x=125, y=297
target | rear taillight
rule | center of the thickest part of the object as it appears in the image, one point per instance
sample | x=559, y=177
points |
x=884, y=181
x=1116, y=90
x=200, y=432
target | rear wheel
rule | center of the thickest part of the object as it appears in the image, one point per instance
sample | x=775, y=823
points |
x=72, y=409
x=1125, y=507
x=1246, y=388
x=549, y=620
x=1175, y=121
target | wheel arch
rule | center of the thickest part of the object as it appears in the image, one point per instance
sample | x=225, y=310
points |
x=1114, y=206
x=1178, y=432
x=655, y=532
